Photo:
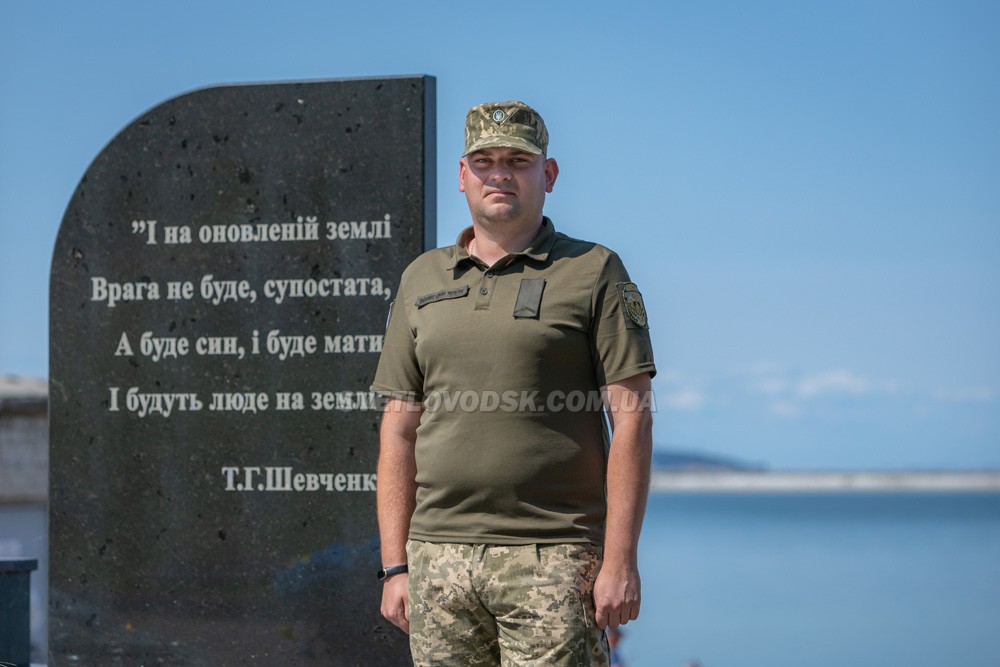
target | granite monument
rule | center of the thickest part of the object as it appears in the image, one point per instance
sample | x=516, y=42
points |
x=219, y=292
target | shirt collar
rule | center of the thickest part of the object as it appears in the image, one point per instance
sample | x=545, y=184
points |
x=538, y=249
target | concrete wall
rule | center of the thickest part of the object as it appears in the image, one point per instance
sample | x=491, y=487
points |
x=24, y=454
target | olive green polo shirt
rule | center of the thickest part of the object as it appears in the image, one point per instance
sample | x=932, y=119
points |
x=509, y=360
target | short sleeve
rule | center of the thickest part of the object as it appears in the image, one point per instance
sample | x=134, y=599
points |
x=619, y=330
x=398, y=374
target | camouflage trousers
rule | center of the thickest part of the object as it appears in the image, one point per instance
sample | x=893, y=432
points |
x=530, y=605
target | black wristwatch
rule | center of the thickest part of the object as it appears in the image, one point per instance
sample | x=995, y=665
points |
x=387, y=572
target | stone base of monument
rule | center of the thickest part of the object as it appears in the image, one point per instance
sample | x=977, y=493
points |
x=15, y=610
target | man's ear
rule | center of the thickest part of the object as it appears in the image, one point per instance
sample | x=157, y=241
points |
x=551, y=173
x=461, y=174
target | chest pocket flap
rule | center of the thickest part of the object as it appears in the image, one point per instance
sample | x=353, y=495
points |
x=529, y=298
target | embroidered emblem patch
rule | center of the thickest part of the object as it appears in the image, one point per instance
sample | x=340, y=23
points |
x=632, y=303
x=499, y=115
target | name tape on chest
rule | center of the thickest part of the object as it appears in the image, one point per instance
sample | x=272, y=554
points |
x=453, y=293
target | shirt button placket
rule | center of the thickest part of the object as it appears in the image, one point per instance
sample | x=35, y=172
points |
x=486, y=288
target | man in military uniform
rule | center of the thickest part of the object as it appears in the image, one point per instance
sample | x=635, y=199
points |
x=508, y=522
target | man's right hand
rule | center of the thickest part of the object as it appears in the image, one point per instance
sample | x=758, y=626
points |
x=396, y=601
x=396, y=497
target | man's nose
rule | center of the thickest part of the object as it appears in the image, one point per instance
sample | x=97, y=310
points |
x=500, y=172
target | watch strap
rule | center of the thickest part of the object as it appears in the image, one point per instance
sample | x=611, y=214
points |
x=387, y=572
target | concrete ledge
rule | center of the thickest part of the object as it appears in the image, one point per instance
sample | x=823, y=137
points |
x=752, y=481
x=15, y=565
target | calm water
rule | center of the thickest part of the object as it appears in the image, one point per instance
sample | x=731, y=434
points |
x=815, y=580
x=812, y=580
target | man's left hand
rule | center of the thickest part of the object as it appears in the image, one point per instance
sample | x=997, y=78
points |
x=616, y=595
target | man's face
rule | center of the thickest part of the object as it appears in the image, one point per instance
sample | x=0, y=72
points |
x=506, y=184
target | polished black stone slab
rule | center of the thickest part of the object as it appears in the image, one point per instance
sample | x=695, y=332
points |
x=219, y=290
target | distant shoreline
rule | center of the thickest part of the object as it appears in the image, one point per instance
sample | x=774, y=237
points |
x=761, y=481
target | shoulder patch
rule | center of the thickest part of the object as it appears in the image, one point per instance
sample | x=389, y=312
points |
x=632, y=306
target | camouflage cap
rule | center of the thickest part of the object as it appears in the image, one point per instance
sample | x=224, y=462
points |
x=505, y=124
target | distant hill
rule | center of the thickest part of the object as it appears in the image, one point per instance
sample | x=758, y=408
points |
x=672, y=460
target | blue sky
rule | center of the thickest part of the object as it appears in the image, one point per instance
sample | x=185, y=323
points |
x=807, y=193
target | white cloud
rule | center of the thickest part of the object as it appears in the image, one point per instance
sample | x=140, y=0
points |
x=773, y=385
x=670, y=376
x=765, y=367
x=966, y=395
x=767, y=377
x=682, y=394
x=787, y=394
x=686, y=400
x=891, y=387
x=839, y=381
x=785, y=409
